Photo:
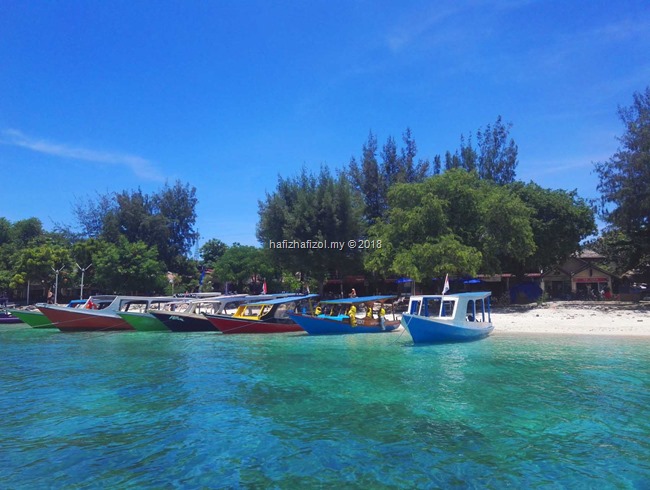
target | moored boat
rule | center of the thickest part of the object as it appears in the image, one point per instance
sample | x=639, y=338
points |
x=100, y=313
x=340, y=317
x=267, y=316
x=36, y=319
x=448, y=318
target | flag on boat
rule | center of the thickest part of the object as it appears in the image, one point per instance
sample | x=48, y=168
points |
x=445, y=288
x=264, y=288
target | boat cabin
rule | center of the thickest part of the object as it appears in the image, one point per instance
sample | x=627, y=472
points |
x=469, y=307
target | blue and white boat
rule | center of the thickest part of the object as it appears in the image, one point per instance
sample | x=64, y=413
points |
x=335, y=318
x=448, y=318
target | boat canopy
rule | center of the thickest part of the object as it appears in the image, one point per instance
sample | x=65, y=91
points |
x=279, y=301
x=358, y=299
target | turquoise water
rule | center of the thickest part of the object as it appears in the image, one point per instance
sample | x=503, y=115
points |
x=162, y=410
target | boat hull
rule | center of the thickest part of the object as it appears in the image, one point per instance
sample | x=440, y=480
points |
x=7, y=319
x=429, y=331
x=234, y=325
x=177, y=322
x=34, y=319
x=315, y=325
x=143, y=322
x=79, y=320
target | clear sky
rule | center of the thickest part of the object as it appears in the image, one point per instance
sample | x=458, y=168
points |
x=103, y=96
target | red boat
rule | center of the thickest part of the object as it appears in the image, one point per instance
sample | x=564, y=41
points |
x=271, y=316
x=99, y=313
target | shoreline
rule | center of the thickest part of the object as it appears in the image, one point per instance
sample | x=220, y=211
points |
x=597, y=318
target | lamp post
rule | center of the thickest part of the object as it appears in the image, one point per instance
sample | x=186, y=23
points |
x=56, y=282
x=83, y=272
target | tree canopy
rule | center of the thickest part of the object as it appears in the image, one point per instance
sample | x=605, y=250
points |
x=311, y=208
x=624, y=181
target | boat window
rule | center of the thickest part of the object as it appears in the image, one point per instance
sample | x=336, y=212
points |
x=252, y=310
x=134, y=306
x=432, y=307
x=415, y=307
x=447, y=309
x=480, y=310
x=284, y=309
x=471, y=313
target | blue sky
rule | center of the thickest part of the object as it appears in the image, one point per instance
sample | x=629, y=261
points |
x=97, y=97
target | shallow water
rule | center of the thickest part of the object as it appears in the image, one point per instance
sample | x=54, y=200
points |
x=164, y=410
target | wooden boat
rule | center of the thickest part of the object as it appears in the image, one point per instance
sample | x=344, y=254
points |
x=35, y=319
x=100, y=313
x=189, y=315
x=268, y=316
x=448, y=318
x=335, y=319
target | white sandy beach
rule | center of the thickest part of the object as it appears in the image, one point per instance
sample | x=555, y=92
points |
x=575, y=317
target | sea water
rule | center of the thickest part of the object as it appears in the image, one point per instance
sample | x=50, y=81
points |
x=169, y=410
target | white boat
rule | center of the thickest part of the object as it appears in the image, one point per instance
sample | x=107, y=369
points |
x=456, y=317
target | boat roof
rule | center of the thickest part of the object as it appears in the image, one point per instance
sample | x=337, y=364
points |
x=358, y=299
x=288, y=299
x=467, y=295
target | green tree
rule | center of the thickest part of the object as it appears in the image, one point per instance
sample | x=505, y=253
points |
x=624, y=181
x=311, y=208
x=129, y=268
x=561, y=220
x=452, y=223
x=497, y=160
x=212, y=250
x=368, y=180
x=243, y=265
x=37, y=263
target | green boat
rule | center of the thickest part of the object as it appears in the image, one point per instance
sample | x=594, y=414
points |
x=33, y=318
x=143, y=322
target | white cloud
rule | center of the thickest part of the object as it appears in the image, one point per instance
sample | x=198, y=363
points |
x=141, y=167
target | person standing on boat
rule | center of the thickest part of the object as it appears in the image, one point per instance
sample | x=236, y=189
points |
x=353, y=293
x=382, y=317
x=352, y=313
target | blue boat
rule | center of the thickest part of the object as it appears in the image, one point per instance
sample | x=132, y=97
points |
x=448, y=318
x=335, y=318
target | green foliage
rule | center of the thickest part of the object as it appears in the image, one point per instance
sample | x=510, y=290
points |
x=164, y=220
x=560, y=221
x=35, y=263
x=129, y=268
x=317, y=208
x=373, y=179
x=625, y=181
x=451, y=223
x=240, y=263
x=212, y=250
x=497, y=159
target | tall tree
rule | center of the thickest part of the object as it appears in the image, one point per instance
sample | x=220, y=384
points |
x=409, y=170
x=497, y=160
x=307, y=209
x=561, y=220
x=625, y=181
x=212, y=250
x=369, y=181
x=129, y=268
